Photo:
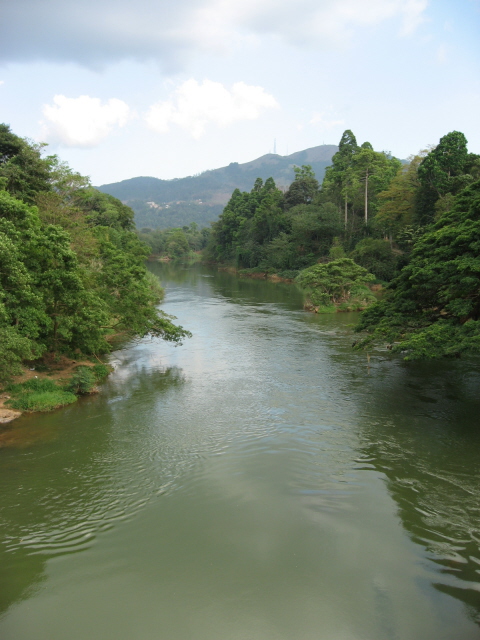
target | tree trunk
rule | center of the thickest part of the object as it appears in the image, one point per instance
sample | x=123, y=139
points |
x=346, y=217
x=366, y=197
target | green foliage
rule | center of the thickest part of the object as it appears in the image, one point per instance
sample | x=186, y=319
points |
x=303, y=189
x=10, y=144
x=101, y=371
x=433, y=306
x=163, y=216
x=42, y=401
x=175, y=243
x=396, y=204
x=44, y=394
x=83, y=381
x=25, y=173
x=39, y=395
x=376, y=256
x=14, y=348
x=332, y=283
x=441, y=172
x=248, y=223
x=34, y=384
x=103, y=209
x=164, y=204
x=71, y=270
x=336, y=251
x=269, y=230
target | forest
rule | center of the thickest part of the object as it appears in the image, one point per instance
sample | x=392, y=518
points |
x=72, y=268
x=415, y=227
x=72, y=265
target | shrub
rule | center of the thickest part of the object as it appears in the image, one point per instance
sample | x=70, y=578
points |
x=42, y=400
x=40, y=385
x=101, y=371
x=332, y=283
x=82, y=381
x=289, y=274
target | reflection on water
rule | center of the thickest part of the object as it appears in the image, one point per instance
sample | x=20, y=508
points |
x=258, y=482
x=427, y=447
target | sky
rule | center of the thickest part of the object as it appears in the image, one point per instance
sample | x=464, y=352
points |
x=168, y=89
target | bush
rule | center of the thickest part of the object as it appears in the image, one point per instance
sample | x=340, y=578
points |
x=38, y=394
x=289, y=274
x=101, y=371
x=41, y=385
x=42, y=400
x=332, y=283
x=82, y=381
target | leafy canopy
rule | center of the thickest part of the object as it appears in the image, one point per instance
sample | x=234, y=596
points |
x=433, y=307
x=332, y=283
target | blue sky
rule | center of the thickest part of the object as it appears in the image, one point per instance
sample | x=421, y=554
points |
x=120, y=89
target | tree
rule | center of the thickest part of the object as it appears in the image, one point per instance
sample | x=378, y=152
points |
x=396, y=204
x=313, y=228
x=66, y=286
x=130, y=295
x=303, y=189
x=103, y=210
x=10, y=144
x=338, y=177
x=25, y=172
x=14, y=348
x=248, y=222
x=375, y=170
x=57, y=278
x=440, y=173
x=177, y=244
x=332, y=283
x=377, y=256
x=432, y=308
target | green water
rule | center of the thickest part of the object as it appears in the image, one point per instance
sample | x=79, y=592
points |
x=257, y=483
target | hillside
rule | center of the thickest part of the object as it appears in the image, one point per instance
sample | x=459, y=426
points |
x=160, y=204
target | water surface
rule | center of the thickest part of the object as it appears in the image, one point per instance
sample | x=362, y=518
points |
x=258, y=483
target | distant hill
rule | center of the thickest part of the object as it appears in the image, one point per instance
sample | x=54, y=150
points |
x=159, y=204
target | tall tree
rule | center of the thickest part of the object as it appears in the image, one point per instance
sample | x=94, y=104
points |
x=338, y=177
x=372, y=171
x=396, y=208
x=432, y=308
x=440, y=173
x=303, y=189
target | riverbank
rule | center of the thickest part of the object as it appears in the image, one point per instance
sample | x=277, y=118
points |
x=255, y=274
x=50, y=376
x=360, y=299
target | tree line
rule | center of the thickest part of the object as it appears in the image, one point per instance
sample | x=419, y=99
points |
x=72, y=268
x=176, y=242
x=414, y=225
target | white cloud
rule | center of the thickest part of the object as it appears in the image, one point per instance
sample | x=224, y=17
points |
x=63, y=30
x=193, y=106
x=83, y=121
x=413, y=12
x=324, y=121
x=442, y=54
x=329, y=23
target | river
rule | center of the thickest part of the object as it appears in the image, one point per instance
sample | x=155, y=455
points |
x=260, y=482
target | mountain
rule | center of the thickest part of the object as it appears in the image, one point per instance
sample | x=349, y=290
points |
x=160, y=204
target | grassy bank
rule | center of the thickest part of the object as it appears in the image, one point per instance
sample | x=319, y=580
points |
x=45, y=387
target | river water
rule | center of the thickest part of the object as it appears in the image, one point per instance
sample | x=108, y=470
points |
x=260, y=482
